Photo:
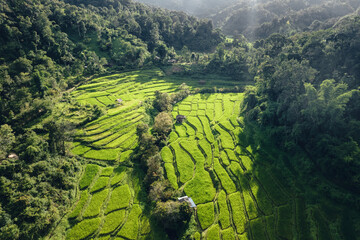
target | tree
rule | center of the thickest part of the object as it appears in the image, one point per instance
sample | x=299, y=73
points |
x=7, y=139
x=163, y=124
x=162, y=101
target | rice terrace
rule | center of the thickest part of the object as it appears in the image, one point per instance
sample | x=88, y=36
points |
x=238, y=192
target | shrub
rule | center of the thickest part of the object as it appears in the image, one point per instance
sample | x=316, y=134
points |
x=97, y=200
x=238, y=212
x=112, y=221
x=172, y=215
x=224, y=215
x=90, y=172
x=120, y=198
x=79, y=206
x=131, y=227
x=206, y=214
x=83, y=229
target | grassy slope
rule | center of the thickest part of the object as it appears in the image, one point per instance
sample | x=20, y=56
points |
x=246, y=195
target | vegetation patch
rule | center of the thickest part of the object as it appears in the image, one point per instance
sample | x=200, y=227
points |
x=225, y=180
x=171, y=175
x=224, y=215
x=112, y=221
x=257, y=229
x=213, y=233
x=228, y=234
x=184, y=163
x=83, y=229
x=100, y=183
x=104, y=154
x=120, y=198
x=131, y=227
x=200, y=188
x=79, y=206
x=97, y=200
x=206, y=214
x=238, y=212
x=90, y=172
x=166, y=155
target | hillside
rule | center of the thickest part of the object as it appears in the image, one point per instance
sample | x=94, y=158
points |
x=111, y=110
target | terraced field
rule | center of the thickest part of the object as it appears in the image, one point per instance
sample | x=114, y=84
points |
x=207, y=158
x=236, y=197
x=108, y=206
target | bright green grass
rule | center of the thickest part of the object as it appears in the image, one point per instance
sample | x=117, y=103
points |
x=210, y=114
x=238, y=213
x=107, y=171
x=224, y=158
x=231, y=155
x=213, y=233
x=246, y=161
x=83, y=229
x=284, y=223
x=90, y=172
x=79, y=150
x=171, y=175
x=167, y=155
x=180, y=130
x=184, y=163
x=207, y=129
x=206, y=147
x=131, y=227
x=250, y=205
x=200, y=188
x=197, y=236
x=79, y=206
x=100, y=183
x=192, y=148
x=224, y=217
x=125, y=137
x=173, y=137
x=103, y=154
x=194, y=121
x=225, y=138
x=225, y=180
x=227, y=125
x=93, y=209
x=184, y=107
x=228, y=108
x=120, y=174
x=233, y=120
x=124, y=156
x=218, y=110
x=206, y=214
x=216, y=151
x=112, y=221
x=189, y=129
x=228, y=234
x=120, y=198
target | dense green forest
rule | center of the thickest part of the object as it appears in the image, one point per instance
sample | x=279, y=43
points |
x=89, y=96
